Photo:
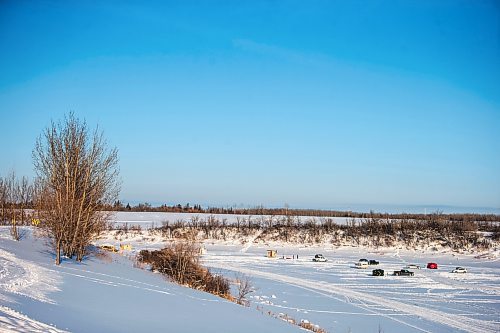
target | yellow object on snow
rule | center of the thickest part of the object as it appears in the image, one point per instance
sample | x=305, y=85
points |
x=125, y=247
x=108, y=247
x=272, y=253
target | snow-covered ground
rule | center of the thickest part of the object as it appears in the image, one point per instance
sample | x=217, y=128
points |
x=108, y=293
x=157, y=219
x=341, y=298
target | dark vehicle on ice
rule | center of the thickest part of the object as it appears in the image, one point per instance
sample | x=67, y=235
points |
x=404, y=272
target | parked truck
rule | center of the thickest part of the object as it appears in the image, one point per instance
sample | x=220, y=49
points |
x=403, y=272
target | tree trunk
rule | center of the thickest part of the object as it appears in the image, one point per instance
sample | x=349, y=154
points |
x=79, y=255
x=58, y=252
x=15, y=234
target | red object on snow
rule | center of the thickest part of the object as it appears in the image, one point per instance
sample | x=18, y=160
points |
x=432, y=265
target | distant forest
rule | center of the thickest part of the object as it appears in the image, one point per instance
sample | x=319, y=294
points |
x=187, y=208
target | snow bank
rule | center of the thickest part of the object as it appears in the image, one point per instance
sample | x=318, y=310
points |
x=12, y=321
x=107, y=294
x=25, y=278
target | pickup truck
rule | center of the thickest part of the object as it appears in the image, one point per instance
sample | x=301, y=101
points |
x=403, y=272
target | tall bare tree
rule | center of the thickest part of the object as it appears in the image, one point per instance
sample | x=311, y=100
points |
x=78, y=175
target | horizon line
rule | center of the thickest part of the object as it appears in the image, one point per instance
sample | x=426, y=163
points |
x=355, y=208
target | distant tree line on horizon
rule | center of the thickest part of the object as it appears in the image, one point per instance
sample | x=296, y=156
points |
x=284, y=211
x=370, y=231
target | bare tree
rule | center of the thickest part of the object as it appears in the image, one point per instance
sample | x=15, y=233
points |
x=25, y=196
x=77, y=175
x=244, y=289
x=15, y=196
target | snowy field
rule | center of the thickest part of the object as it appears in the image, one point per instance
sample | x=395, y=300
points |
x=341, y=298
x=108, y=293
x=148, y=220
x=157, y=219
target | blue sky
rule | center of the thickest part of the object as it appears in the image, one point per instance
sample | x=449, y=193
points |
x=317, y=104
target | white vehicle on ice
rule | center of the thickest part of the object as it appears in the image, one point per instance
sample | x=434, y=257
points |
x=362, y=264
x=459, y=270
x=319, y=258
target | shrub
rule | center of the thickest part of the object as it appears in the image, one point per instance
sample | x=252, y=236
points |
x=180, y=262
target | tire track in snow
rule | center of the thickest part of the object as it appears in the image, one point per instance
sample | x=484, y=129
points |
x=115, y=281
x=452, y=320
x=22, y=277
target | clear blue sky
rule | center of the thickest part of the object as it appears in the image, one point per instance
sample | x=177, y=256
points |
x=318, y=104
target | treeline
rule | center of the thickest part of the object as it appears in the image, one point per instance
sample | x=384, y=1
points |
x=16, y=196
x=187, y=208
x=373, y=232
